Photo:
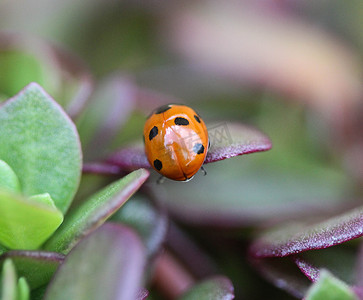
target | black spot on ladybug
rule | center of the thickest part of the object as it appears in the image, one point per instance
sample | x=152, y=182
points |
x=181, y=121
x=162, y=109
x=197, y=118
x=153, y=133
x=198, y=148
x=157, y=164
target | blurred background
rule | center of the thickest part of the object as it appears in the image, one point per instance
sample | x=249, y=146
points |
x=291, y=68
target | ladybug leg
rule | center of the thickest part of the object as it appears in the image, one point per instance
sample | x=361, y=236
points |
x=203, y=170
x=160, y=180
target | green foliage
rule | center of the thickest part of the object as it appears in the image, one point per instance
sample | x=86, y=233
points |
x=40, y=143
x=95, y=211
x=36, y=266
x=329, y=287
x=8, y=179
x=10, y=287
x=26, y=223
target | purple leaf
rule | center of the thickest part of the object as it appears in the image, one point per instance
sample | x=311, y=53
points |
x=310, y=271
x=331, y=232
x=130, y=158
x=227, y=140
x=233, y=139
x=45, y=264
x=107, y=264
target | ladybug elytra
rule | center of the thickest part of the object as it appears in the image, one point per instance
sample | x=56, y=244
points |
x=176, y=141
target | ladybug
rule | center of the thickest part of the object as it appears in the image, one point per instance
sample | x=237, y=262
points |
x=176, y=141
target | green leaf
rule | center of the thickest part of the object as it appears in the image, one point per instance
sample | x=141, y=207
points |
x=8, y=281
x=8, y=179
x=216, y=288
x=95, y=211
x=329, y=287
x=45, y=264
x=40, y=143
x=10, y=288
x=43, y=198
x=26, y=224
x=23, y=292
x=107, y=265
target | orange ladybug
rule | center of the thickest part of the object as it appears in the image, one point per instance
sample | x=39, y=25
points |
x=176, y=141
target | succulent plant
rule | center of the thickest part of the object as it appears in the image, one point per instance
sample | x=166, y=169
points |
x=82, y=214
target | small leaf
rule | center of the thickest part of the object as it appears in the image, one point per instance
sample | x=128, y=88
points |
x=233, y=139
x=106, y=265
x=95, y=211
x=40, y=143
x=290, y=240
x=8, y=179
x=308, y=269
x=329, y=287
x=26, y=224
x=215, y=288
x=45, y=264
x=227, y=140
x=23, y=290
x=43, y=198
x=149, y=222
x=8, y=288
